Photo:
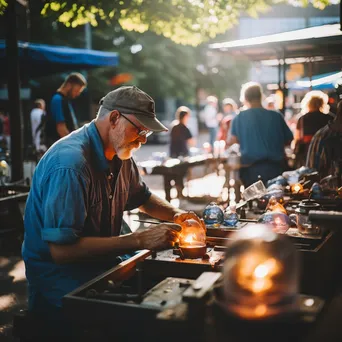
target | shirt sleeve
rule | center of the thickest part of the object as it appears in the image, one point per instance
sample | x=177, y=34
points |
x=64, y=206
x=57, y=109
x=234, y=126
x=288, y=135
x=299, y=125
x=188, y=134
x=139, y=193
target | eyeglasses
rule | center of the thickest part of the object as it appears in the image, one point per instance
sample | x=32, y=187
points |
x=141, y=132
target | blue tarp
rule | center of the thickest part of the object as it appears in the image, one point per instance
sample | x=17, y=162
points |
x=41, y=60
x=325, y=81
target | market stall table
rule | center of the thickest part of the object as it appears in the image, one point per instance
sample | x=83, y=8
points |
x=176, y=169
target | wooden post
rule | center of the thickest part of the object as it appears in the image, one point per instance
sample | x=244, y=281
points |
x=13, y=86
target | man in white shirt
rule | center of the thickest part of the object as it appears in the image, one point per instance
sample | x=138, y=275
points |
x=36, y=119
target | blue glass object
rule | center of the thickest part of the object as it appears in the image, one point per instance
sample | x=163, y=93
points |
x=212, y=214
x=303, y=170
x=231, y=218
x=316, y=191
x=275, y=187
x=278, y=180
x=280, y=222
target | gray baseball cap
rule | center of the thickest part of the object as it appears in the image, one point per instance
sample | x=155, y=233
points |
x=132, y=100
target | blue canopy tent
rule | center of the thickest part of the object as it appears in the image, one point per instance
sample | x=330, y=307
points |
x=325, y=81
x=34, y=61
x=40, y=60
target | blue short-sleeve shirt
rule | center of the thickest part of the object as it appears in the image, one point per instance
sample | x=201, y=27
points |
x=75, y=192
x=57, y=110
x=262, y=135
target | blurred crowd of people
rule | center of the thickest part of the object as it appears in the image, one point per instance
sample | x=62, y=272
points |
x=257, y=127
x=262, y=133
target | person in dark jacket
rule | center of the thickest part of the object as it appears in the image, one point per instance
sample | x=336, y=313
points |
x=325, y=150
x=181, y=137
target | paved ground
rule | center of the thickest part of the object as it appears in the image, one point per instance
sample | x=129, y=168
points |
x=12, y=271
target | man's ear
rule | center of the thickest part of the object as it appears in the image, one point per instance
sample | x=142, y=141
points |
x=114, y=118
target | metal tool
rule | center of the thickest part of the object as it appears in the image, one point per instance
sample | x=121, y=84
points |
x=147, y=221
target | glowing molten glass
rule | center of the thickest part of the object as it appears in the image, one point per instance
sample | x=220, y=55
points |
x=296, y=188
x=190, y=238
x=260, y=273
x=274, y=205
x=256, y=272
x=192, y=234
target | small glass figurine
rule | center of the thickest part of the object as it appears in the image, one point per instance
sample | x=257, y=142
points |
x=231, y=218
x=279, y=222
x=274, y=205
x=213, y=215
x=316, y=191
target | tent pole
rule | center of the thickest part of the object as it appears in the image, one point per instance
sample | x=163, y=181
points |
x=341, y=15
x=279, y=75
x=13, y=86
x=310, y=72
x=284, y=84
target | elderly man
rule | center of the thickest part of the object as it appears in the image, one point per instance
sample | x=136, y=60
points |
x=80, y=189
x=262, y=135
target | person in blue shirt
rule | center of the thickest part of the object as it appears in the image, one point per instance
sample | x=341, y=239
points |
x=262, y=135
x=74, y=228
x=61, y=118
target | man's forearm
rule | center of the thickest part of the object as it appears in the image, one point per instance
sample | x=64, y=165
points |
x=92, y=248
x=232, y=139
x=160, y=208
x=62, y=129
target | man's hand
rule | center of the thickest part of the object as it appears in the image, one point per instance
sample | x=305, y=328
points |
x=180, y=218
x=161, y=236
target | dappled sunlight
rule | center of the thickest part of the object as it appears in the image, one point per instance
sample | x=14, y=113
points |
x=209, y=185
x=132, y=221
x=18, y=271
x=175, y=202
x=7, y=301
x=4, y=261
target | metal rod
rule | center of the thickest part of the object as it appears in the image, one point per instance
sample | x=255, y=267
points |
x=146, y=221
x=248, y=220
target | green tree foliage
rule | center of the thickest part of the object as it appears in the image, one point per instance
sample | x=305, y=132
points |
x=188, y=22
x=162, y=67
x=158, y=65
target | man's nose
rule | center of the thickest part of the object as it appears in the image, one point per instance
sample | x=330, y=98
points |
x=142, y=139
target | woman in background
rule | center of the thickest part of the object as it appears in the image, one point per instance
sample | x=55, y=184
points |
x=230, y=110
x=325, y=151
x=315, y=108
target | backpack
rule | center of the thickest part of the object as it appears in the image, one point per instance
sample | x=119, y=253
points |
x=41, y=129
